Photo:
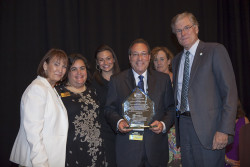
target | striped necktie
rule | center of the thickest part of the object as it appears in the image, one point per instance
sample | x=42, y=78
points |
x=141, y=83
x=185, y=81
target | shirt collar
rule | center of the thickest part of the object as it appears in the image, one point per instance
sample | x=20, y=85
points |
x=192, y=50
x=137, y=75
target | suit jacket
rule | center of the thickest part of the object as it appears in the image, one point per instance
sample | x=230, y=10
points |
x=155, y=145
x=212, y=92
x=41, y=140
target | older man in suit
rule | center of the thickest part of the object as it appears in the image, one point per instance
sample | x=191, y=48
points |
x=205, y=95
x=150, y=146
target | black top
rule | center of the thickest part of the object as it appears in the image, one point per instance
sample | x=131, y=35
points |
x=101, y=90
x=107, y=132
x=84, y=143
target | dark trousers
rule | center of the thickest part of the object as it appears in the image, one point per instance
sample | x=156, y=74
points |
x=135, y=156
x=141, y=161
x=193, y=154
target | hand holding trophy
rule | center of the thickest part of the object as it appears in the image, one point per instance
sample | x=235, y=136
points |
x=138, y=110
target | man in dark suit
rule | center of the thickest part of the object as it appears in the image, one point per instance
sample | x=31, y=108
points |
x=205, y=95
x=150, y=146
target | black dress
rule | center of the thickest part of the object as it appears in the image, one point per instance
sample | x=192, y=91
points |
x=107, y=133
x=84, y=143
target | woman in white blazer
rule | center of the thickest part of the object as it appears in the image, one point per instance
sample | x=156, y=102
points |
x=41, y=140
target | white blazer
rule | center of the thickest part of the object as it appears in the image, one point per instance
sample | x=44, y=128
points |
x=41, y=140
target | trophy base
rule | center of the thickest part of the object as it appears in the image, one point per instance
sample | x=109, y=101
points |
x=140, y=127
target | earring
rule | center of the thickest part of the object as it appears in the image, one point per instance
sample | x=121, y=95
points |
x=98, y=68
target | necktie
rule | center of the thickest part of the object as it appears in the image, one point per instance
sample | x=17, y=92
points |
x=184, y=91
x=141, y=83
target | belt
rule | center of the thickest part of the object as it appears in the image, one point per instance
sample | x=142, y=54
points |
x=186, y=113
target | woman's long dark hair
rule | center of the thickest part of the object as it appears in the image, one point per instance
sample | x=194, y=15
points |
x=98, y=72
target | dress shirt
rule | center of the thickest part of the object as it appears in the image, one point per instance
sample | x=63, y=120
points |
x=145, y=79
x=192, y=51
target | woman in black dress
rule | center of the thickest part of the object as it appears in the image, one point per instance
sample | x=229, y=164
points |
x=84, y=143
x=106, y=65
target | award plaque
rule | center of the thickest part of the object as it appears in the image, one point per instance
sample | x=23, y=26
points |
x=138, y=110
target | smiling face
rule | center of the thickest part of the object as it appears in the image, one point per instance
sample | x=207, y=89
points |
x=161, y=62
x=139, y=58
x=77, y=75
x=54, y=70
x=105, y=60
x=189, y=34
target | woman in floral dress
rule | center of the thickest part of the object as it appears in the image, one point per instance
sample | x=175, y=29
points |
x=84, y=143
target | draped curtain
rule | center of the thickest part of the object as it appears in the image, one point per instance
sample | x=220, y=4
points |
x=29, y=28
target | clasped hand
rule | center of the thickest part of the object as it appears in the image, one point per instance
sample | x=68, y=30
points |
x=156, y=127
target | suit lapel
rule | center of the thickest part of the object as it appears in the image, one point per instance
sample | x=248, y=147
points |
x=151, y=83
x=53, y=93
x=130, y=81
x=177, y=64
x=196, y=62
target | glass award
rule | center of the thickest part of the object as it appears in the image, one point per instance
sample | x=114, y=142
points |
x=138, y=109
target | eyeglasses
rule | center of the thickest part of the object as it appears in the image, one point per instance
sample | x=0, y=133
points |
x=143, y=54
x=185, y=29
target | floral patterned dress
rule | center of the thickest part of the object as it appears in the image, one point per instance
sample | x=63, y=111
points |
x=84, y=143
x=174, y=152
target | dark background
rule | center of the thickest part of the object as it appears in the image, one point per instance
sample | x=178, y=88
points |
x=28, y=29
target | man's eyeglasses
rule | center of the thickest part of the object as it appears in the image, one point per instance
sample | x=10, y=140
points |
x=143, y=54
x=185, y=29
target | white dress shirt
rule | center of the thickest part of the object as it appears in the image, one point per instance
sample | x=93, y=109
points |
x=192, y=51
x=145, y=79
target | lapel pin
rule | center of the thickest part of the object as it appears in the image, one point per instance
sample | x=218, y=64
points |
x=201, y=54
